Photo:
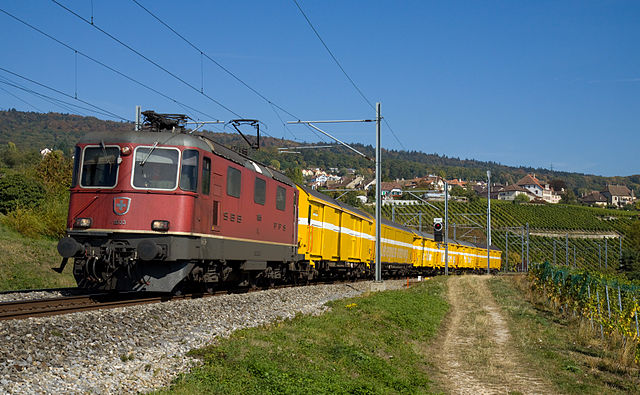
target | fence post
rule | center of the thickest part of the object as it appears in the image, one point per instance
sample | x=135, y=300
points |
x=506, y=240
x=636, y=314
x=590, y=312
x=606, y=253
x=599, y=315
x=606, y=288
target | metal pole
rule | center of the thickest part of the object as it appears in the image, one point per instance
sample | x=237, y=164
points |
x=599, y=256
x=138, y=118
x=527, y=267
x=488, y=221
x=606, y=253
x=620, y=246
x=446, y=229
x=566, y=258
x=506, y=242
x=522, y=248
x=378, y=197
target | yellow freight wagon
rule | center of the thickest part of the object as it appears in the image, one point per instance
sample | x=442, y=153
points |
x=332, y=233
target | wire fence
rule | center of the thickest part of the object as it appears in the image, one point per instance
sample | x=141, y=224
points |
x=609, y=303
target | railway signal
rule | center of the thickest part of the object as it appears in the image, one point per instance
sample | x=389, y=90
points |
x=437, y=230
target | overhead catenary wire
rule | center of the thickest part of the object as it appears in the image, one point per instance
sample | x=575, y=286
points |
x=71, y=107
x=110, y=68
x=223, y=68
x=113, y=115
x=344, y=71
x=156, y=64
x=22, y=100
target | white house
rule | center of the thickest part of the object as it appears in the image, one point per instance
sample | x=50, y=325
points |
x=533, y=185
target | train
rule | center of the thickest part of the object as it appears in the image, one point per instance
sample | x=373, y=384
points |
x=164, y=209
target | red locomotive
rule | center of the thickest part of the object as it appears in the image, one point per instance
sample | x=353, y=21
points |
x=150, y=210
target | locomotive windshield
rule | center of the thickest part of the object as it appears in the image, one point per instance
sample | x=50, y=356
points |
x=156, y=168
x=100, y=167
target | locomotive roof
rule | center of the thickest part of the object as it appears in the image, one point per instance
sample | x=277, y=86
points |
x=197, y=140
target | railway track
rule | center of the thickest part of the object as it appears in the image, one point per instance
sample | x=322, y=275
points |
x=20, y=309
x=70, y=304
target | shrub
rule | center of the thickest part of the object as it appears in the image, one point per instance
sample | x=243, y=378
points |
x=18, y=191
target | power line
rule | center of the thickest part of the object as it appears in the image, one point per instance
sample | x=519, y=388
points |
x=226, y=70
x=145, y=58
x=113, y=115
x=22, y=100
x=58, y=102
x=107, y=66
x=344, y=71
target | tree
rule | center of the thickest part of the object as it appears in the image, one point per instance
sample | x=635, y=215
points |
x=295, y=174
x=558, y=184
x=569, y=197
x=275, y=164
x=457, y=190
x=54, y=170
x=521, y=198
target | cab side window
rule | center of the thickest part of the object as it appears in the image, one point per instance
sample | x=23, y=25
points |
x=189, y=171
x=259, y=191
x=281, y=198
x=234, y=181
x=206, y=175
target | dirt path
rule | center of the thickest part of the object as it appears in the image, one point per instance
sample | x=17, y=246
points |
x=475, y=354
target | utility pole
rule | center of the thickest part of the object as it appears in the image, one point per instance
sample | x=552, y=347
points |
x=488, y=221
x=446, y=229
x=138, y=126
x=378, y=161
x=378, y=197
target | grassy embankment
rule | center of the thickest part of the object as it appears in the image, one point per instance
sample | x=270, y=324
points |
x=25, y=263
x=371, y=344
x=564, y=350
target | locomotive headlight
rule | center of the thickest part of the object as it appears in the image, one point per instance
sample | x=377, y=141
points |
x=160, y=225
x=82, y=223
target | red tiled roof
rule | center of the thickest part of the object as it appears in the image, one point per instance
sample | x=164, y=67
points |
x=529, y=180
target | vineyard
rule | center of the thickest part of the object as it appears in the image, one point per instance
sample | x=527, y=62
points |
x=607, y=302
x=566, y=225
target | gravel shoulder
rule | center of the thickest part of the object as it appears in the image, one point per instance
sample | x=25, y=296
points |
x=474, y=353
x=141, y=348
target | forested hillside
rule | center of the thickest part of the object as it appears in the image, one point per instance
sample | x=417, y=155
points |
x=30, y=130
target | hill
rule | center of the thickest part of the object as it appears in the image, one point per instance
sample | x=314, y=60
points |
x=31, y=130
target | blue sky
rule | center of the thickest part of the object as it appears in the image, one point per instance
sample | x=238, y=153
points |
x=532, y=83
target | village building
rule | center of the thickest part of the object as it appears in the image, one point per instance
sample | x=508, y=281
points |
x=594, y=198
x=618, y=195
x=542, y=191
x=510, y=192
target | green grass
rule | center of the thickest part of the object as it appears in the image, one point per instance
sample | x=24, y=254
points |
x=25, y=263
x=562, y=349
x=370, y=344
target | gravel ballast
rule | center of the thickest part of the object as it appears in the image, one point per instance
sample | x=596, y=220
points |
x=141, y=348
